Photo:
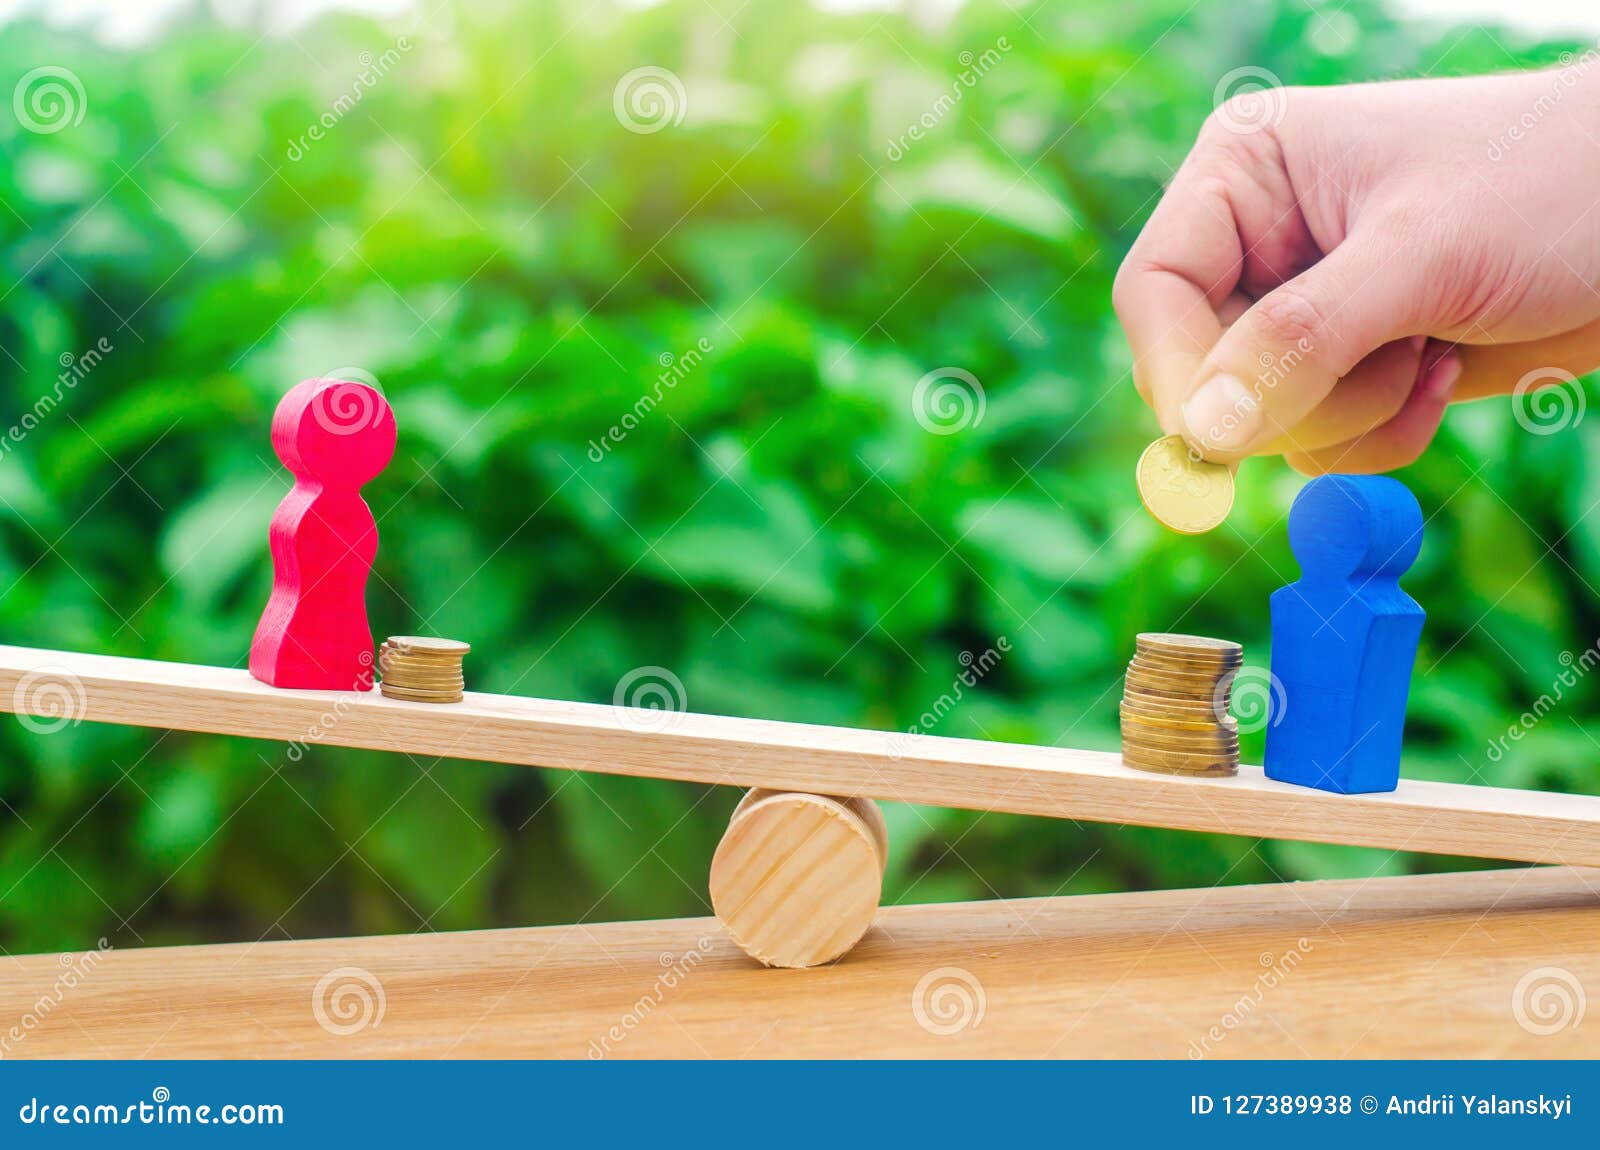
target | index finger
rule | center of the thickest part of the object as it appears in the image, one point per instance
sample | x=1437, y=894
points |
x=1184, y=265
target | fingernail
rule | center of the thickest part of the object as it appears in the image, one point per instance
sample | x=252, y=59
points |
x=1222, y=414
x=1443, y=377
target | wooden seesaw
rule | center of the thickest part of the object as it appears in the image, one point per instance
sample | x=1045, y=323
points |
x=798, y=877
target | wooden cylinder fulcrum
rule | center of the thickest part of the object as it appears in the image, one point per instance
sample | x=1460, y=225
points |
x=797, y=877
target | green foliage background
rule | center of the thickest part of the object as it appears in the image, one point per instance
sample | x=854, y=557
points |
x=482, y=235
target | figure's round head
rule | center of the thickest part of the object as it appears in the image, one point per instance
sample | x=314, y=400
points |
x=335, y=431
x=1355, y=526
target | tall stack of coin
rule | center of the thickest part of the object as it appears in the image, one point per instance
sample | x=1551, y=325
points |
x=1175, y=706
x=422, y=669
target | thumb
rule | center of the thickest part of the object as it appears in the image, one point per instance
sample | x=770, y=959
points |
x=1284, y=355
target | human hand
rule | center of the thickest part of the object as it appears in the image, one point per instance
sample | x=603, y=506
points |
x=1330, y=267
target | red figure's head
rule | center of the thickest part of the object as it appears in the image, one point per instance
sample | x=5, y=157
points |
x=336, y=432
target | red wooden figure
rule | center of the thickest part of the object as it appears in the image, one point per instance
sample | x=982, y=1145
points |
x=333, y=436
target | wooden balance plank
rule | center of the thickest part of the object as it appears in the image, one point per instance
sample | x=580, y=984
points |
x=1444, y=818
x=1457, y=965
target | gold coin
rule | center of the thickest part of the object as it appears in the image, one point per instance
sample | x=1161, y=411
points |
x=1182, y=661
x=1189, y=696
x=1167, y=642
x=1203, y=748
x=393, y=662
x=426, y=645
x=1180, y=722
x=1181, y=756
x=1183, y=665
x=396, y=663
x=394, y=659
x=1186, y=753
x=390, y=655
x=1179, y=710
x=1215, y=772
x=1184, y=676
x=1142, y=649
x=1180, y=489
x=1155, y=695
x=1160, y=769
x=1132, y=693
x=430, y=643
x=1179, y=738
x=1176, y=686
x=1170, y=728
x=1208, y=676
x=1189, y=719
x=416, y=696
x=1184, y=757
x=421, y=658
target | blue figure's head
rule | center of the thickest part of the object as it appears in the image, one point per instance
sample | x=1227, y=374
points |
x=1355, y=527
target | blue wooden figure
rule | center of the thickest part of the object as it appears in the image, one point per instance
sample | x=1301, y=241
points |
x=1344, y=636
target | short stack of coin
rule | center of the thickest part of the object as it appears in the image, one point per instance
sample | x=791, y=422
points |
x=422, y=669
x=1175, y=706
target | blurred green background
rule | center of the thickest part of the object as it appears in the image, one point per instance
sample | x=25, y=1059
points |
x=486, y=234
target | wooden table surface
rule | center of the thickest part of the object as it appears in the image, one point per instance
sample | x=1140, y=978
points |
x=1398, y=967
